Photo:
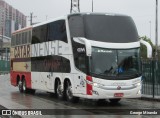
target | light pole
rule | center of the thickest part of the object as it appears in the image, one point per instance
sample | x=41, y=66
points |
x=75, y=6
x=31, y=18
x=156, y=31
x=92, y=5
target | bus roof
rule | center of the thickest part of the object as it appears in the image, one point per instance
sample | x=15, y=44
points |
x=65, y=16
x=97, y=13
x=23, y=29
x=49, y=21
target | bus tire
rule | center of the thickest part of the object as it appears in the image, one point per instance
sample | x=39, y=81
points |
x=20, y=86
x=69, y=93
x=101, y=101
x=115, y=100
x=31, y=91
x=25, y=90
x=58, y=89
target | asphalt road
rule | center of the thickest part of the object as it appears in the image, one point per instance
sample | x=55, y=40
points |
x=52, y=107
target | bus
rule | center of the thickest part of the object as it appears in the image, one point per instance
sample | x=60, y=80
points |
x=82, y=55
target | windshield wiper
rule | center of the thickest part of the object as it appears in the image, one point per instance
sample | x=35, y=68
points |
x=129, y=75
x=103, y=74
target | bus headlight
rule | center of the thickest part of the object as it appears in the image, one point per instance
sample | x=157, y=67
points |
x=137, y=84
x=139, y=92
x=95, y=85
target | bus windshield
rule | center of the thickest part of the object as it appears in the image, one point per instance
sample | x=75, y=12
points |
x=104, y=28
x=109, y=63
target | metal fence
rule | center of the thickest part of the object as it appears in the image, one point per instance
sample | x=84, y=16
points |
x=151, y=78
x=4, y=66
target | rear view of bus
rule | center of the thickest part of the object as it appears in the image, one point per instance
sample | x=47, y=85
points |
x=106, y=52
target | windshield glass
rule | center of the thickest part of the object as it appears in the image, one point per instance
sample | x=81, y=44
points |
x=115, y=63
x=104, y=28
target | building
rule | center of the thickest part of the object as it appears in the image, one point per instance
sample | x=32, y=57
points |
x=4, y=54
x=10, y=19
x=5, y=43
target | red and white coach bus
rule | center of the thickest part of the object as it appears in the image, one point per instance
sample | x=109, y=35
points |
x=87, y=55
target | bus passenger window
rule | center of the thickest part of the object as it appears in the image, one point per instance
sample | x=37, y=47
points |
x=29, y=37
x=25, y=37
x=22, y=38
x=57, y=31
x=80, y=63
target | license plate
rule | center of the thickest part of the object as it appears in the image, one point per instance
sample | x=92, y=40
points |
x=118, y=95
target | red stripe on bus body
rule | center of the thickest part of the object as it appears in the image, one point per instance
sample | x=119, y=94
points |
x=89, y=87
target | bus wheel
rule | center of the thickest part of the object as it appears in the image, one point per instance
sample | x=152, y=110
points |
x=31, y=91
x=59, y=91
x=69, y=93
x=101, y=102
x=20, y=86
x=114, y=101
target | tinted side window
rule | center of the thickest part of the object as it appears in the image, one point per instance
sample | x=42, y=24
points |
x=80, y=62
x=43, y=33
x=50, y=32
x=36, y=35
x=13, y=40
x=76, y=26
x=80, y=57
x=104, y=28
x=57, y=31
x=50, y=64
x=23, y=38
x=29, y=36
x=39, y=34
x=16, y=37
x=20, y=39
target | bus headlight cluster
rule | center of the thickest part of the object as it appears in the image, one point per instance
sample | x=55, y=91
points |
x=137, y=84
x=95, y=85
x=139, y=92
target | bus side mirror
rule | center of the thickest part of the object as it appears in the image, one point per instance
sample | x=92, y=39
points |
x=87, y=44
x=149, y=48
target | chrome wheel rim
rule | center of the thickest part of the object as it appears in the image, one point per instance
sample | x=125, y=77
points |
x=59, y=89
x=69, y=91
x=24, y=85
x=20, y=85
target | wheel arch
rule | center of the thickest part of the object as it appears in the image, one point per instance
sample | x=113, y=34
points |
x=23, y=77
x=71, y=82
x=55, y=82
x=65, y=82
x=18, y=79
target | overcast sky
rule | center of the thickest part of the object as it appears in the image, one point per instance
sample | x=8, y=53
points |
x=142, y=11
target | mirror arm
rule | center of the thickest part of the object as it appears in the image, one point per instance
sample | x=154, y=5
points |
x=149, y=48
